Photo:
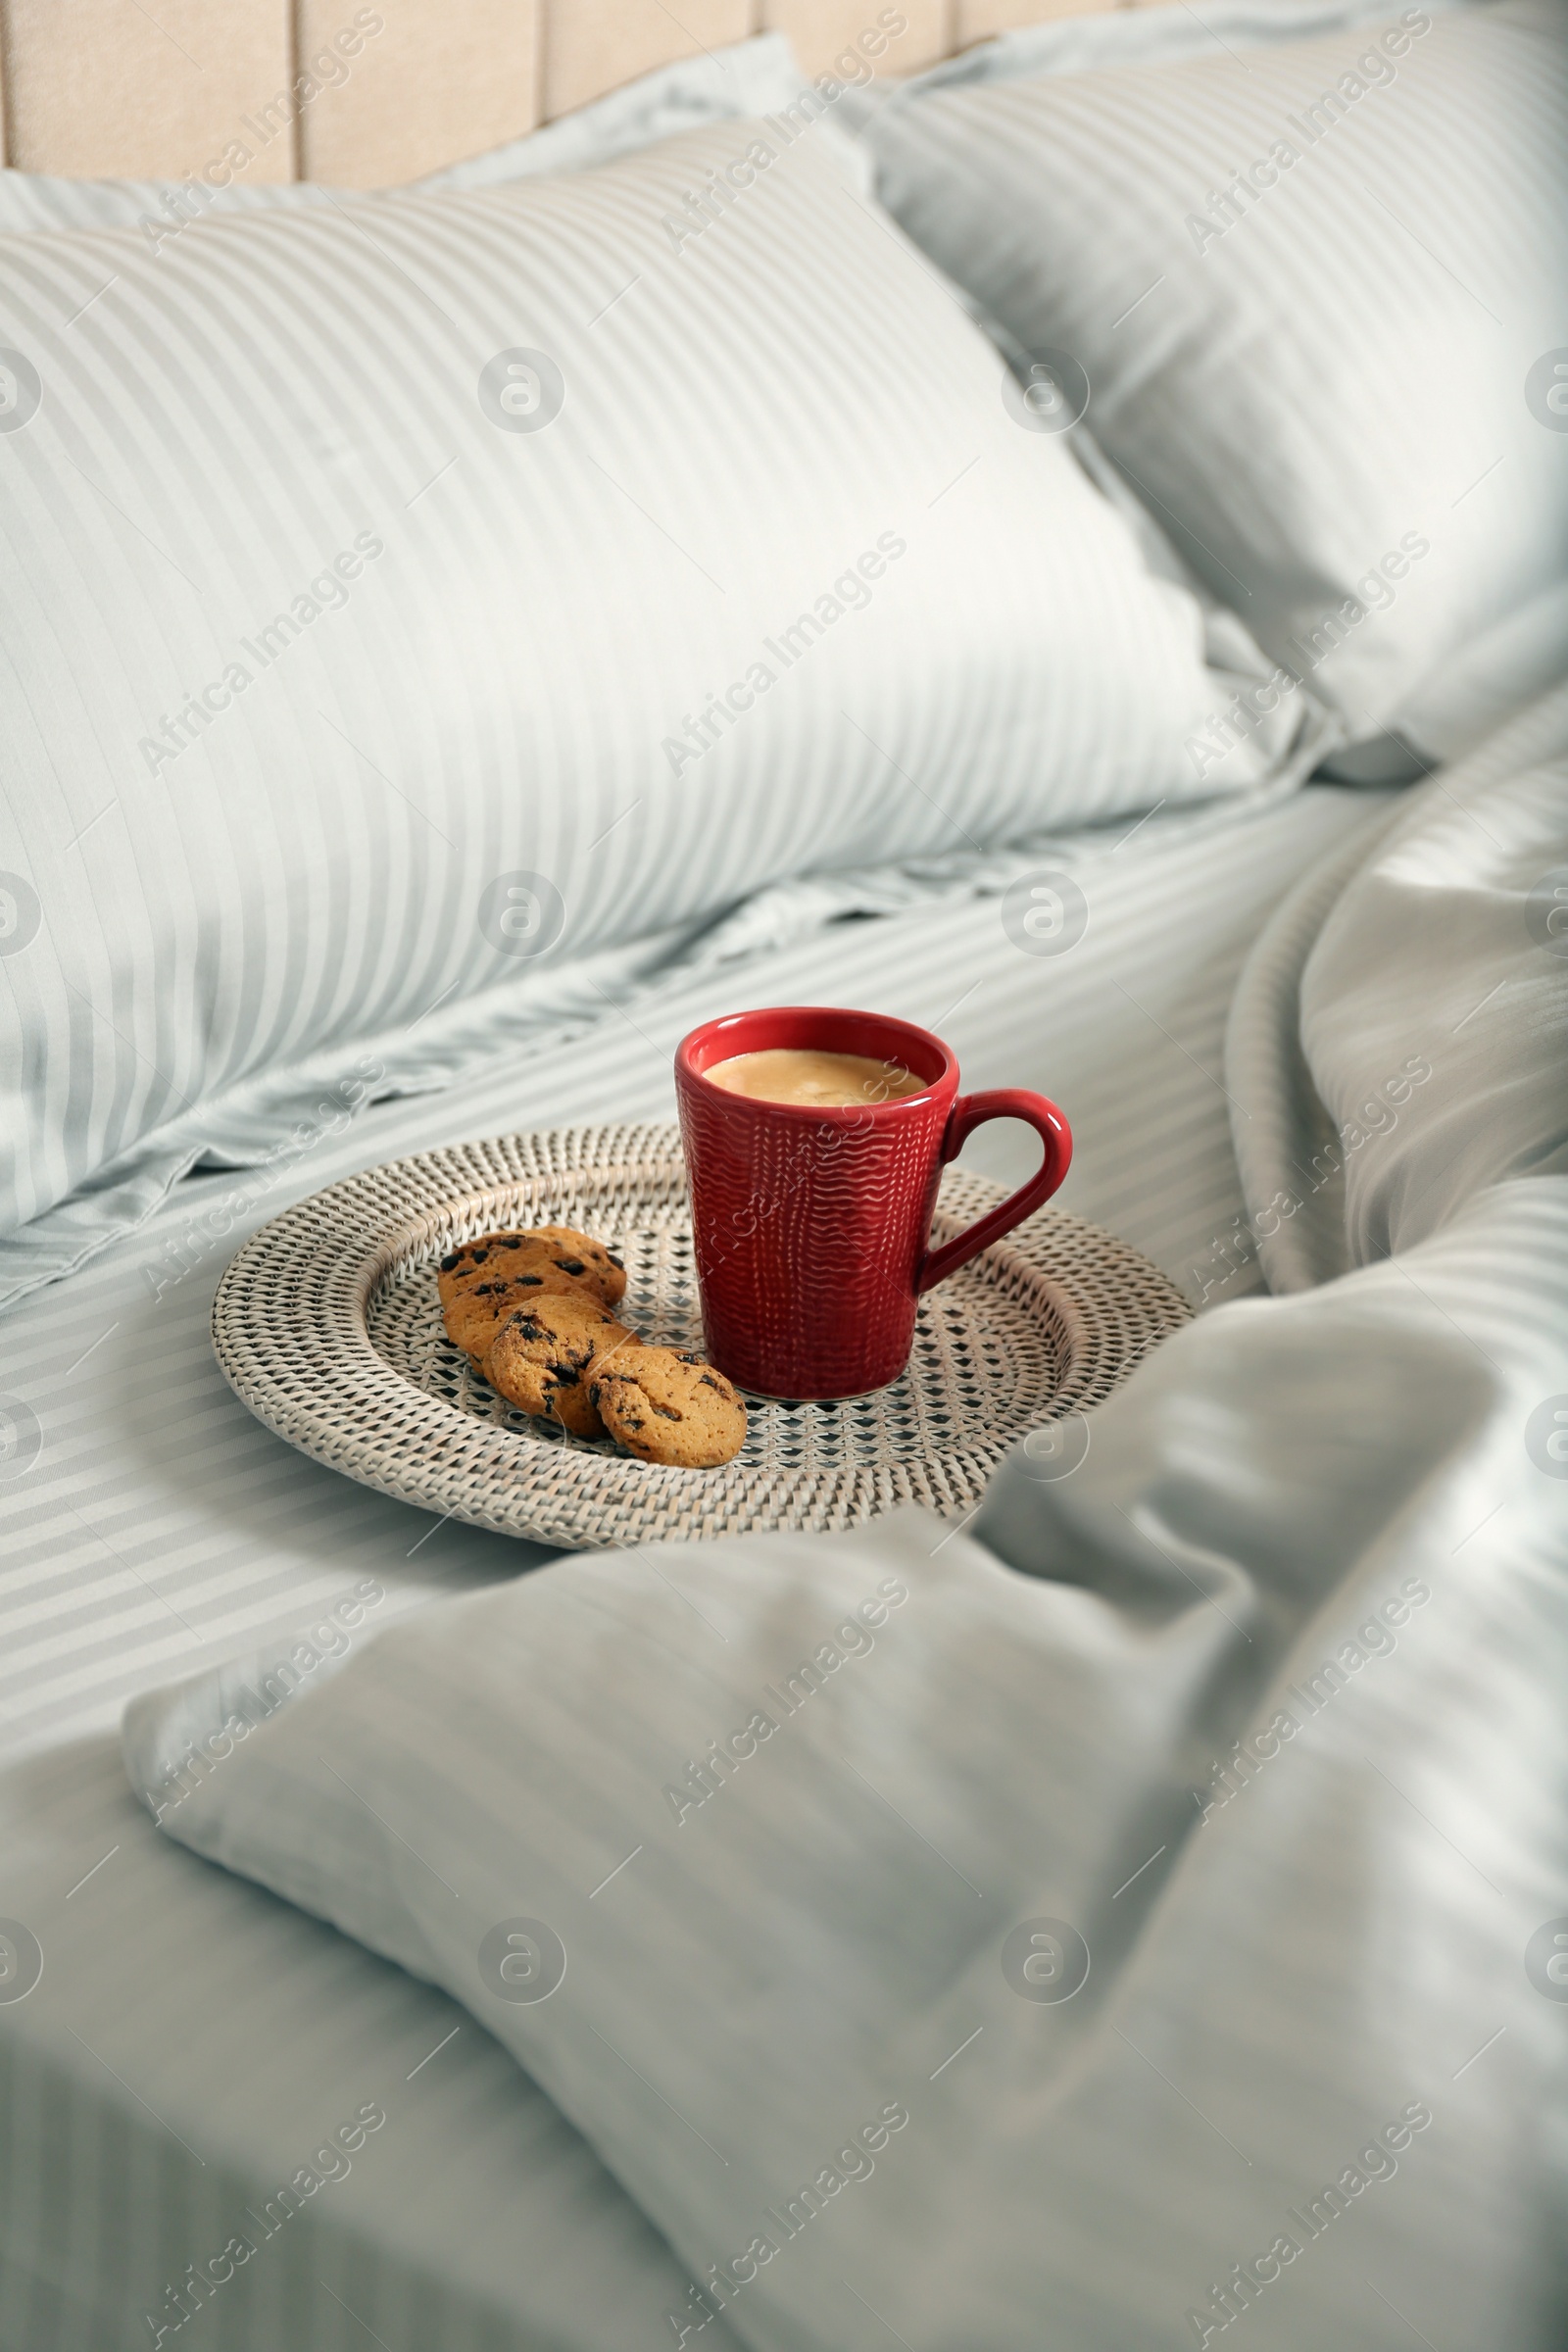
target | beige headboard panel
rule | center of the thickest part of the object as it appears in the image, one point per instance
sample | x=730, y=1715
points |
x=156, y=88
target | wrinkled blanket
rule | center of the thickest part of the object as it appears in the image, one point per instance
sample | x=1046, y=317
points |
x=1136, y=1917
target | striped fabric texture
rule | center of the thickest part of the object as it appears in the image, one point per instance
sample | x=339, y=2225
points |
x=1142, y=1907
x=1316, y=290
x=397, y=595
x=159, y=1527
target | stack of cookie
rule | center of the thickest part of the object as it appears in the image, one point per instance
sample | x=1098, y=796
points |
x=534, y=1310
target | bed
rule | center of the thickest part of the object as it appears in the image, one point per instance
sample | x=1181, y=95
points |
x=219, y=2111
x=138, y=1561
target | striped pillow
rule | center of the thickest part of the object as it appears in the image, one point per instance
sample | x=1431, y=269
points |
x=1316, y=293
x=396, y=594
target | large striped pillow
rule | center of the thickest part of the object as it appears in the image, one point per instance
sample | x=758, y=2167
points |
x=1316, y=291
x=394, y=593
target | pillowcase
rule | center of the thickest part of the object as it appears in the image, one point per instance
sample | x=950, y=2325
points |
x=1314, y=295
x=757, y=76
x=398, y=593
x=1119, y=36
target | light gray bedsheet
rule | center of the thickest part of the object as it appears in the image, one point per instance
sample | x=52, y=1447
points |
x=193, y=2039
x=1158, y=1927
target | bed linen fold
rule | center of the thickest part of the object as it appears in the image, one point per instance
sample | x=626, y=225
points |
x=1326, y=975
x=264, y=1121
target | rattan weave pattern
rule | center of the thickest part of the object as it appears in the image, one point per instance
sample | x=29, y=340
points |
x=328, y=1325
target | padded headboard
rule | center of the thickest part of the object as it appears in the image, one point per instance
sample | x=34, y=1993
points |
x=156, y=88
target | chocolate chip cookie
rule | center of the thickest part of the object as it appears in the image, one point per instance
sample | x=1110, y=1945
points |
x=526, y=1249
x=475, y=1316
x=544, y=1355
x=667, y=1407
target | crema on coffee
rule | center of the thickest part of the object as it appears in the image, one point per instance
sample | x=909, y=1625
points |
x=813, y=1078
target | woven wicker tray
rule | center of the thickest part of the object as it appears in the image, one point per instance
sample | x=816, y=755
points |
x=328, y=1325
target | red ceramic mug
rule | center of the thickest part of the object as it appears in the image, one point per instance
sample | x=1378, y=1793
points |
x=813, y=1223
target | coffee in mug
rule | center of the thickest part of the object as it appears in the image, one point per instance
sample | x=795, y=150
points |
x=814, y=1076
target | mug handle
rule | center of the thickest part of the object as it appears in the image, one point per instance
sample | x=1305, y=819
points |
x=971, y=1111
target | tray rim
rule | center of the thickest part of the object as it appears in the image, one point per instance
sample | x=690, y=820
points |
x=827, y=1498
